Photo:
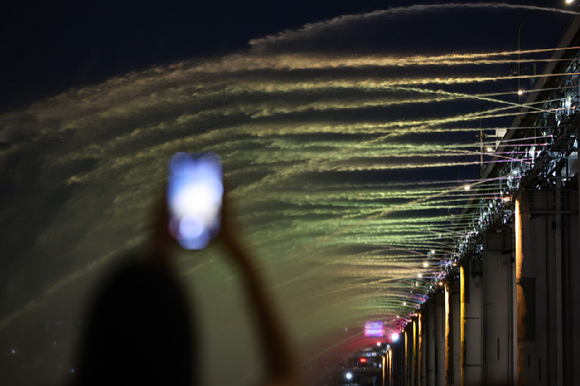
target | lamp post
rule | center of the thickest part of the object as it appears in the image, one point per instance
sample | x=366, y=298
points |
x=519, y=30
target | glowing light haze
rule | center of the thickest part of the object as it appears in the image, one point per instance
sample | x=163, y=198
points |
x=347, y=170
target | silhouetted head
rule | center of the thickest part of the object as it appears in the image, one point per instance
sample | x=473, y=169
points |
x=139, y=331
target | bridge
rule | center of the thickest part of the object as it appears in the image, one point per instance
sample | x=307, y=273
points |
x=506, y=311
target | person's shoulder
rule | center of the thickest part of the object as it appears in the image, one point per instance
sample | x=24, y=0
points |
x=282, y=383
x=137, y=276
x=140, y=265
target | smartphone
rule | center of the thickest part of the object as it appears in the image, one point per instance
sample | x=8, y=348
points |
x=194, y=198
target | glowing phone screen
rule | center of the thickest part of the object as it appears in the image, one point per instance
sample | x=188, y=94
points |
x=194, y=198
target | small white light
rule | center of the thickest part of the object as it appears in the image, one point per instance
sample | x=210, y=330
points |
x=467, y=187
x=569, y=1
x=348, y=376
x=404, y=303
x=425, y=264
x=13, y=351
x=520, y=92
x=378, y=344
x=394, y=336
x=419, y=275
x=489, y=149
x=432, y=251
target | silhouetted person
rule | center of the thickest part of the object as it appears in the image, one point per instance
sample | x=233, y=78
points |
x=140, y=330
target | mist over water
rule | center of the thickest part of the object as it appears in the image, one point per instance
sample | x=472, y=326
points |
x=346, y=168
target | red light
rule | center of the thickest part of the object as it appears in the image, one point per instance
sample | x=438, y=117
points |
x=363, y=360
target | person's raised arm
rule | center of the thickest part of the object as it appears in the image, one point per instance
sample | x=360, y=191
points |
x=280, y=359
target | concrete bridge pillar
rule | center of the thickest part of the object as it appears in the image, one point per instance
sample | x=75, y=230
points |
x=410, y=339
x=471, y=322
x=547, y=251
x=498, y=349
x=415, y=350
x=453, y=332
x=439, y=337
x=398, y=363
x=429, y=350
x=424, y=319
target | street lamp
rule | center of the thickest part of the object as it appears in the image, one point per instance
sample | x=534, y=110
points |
x=520, y=92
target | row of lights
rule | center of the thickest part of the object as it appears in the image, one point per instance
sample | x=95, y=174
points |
x=483, y=217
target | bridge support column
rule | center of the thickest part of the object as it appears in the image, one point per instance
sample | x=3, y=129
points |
x=415, y=350
x=471, y=322
x=424, y=318
x=429, y=350
x=453, y=333
x=398, y=363
x=410, y=339
x=439, y=337
x=547, y=252
x=456, y=317
x=498, y=307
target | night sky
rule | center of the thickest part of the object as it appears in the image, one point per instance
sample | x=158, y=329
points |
x=346, y=142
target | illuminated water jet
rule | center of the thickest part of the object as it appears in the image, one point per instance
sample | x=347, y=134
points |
x=344, y=178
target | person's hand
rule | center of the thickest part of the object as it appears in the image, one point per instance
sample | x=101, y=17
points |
x=229, y=234
x=164, y=245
